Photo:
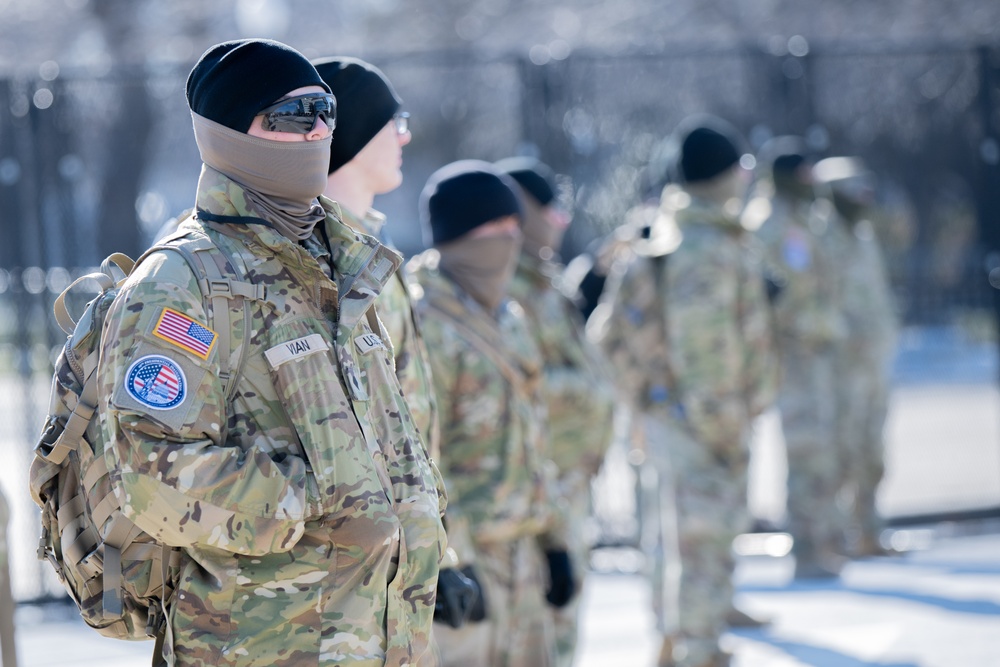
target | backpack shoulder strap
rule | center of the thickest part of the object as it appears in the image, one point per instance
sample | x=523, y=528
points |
x=221, y=276
x=516, y=378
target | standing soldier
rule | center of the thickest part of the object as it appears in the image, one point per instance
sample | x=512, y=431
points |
x=865, y=356
x=688, y=332
x=808, y=326
x=366, y=157
x=274, y=452
x=578, y=392
x=487, y=372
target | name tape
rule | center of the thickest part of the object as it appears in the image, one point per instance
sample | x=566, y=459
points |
x=296, y=349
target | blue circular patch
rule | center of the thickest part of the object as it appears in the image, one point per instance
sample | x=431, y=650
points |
x=157, y=382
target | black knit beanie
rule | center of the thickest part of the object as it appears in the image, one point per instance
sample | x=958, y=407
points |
x=784, y=154
x=234, y=80
x=533, y=176
x=366, y=101
x=707, y=146
x=464, y=195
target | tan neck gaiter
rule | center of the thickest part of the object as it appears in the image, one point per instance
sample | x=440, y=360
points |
x=482, y=266
x=723, y=189
x=541, y=238
x=283, y=180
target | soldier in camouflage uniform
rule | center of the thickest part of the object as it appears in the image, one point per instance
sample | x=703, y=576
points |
x=487, y=372
x=809, y=327
x=302, y=501
x=688, y=333
x=576, y=384
x=865, y=355
x=365, y=160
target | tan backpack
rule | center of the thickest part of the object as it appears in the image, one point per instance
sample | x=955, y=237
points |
x=114, y=571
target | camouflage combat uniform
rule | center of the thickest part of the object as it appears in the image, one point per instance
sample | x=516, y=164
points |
x=698, y=389
x=305, y=504
x=864, y=360
x=808, y=327
x=492, y=453
x=580, y=400
x=395, y=309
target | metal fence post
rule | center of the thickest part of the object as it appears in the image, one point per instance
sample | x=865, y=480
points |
x=8, y=648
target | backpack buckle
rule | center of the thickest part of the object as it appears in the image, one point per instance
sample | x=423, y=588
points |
x=45, y=552
x=223, y=288
x=154, y=620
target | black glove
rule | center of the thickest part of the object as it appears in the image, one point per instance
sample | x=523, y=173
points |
x=456, y=595
x=561, y=585
x=478, y=611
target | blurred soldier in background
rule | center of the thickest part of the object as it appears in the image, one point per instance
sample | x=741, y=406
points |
x=808, y=327
x=865, y=356
x=487, y=374
x=688, y=333
x=365, y=161
x=576, y=385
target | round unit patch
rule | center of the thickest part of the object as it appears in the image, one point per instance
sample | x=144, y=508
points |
x=157, y=382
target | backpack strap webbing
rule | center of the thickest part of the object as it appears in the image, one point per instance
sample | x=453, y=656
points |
x=517, y=379
x=219, y=283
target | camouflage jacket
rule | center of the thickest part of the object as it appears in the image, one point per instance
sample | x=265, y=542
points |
x=395, y=309
x=800, y=260
x=714, y=370
x=305, y=505
x=492, y=415
x=866, y=299
x=576, y=385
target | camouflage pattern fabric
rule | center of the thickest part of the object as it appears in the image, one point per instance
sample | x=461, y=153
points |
x=578, y=391
x=493, y=460
x=864, y=360
x=809, y=326
x=305, y=505
x=395, y=309
x=704, y=384
x=580, y=400
x=517, y=631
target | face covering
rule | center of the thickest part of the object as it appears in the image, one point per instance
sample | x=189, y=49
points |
x=482, y=266
x=539, y=232
x=728, y=189
x=282, y=179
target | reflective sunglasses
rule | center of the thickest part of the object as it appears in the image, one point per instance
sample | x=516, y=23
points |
x=402, y=122
x=299, y=114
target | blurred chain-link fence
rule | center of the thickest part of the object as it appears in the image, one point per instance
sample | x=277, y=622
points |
x=91, y=165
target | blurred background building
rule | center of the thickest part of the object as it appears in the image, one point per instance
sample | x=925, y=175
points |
x=96, y=152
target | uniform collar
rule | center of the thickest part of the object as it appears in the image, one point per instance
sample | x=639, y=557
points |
x=363, y=265
x=370, y=223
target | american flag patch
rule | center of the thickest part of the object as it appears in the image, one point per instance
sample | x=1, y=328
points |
x=180, y=330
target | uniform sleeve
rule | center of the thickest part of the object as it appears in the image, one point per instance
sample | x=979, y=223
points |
x=174, y=474
x=760, y=358
x=444, y=370
x=706, y=347
x=578, y=392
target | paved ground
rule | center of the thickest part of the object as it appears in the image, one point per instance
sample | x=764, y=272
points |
x=934, y=607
